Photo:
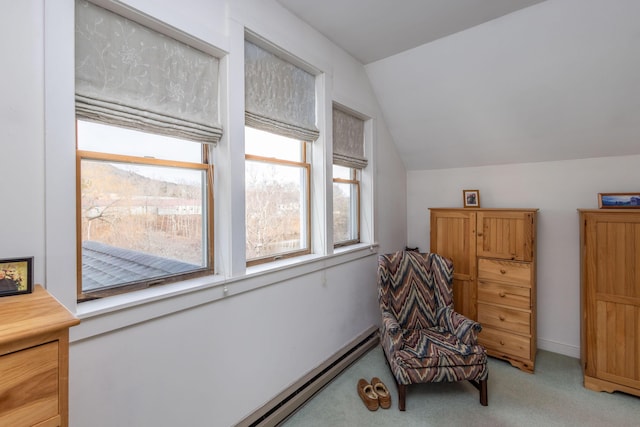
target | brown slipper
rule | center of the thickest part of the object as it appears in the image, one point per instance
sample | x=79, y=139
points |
x=384, y=397
x=368, y=396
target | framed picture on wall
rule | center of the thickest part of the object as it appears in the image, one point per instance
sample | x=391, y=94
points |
x=619, y=200
x=471, y=198
x=16, y=276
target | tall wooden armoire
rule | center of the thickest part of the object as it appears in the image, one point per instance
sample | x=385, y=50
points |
x=494, y=282
x=610, y=291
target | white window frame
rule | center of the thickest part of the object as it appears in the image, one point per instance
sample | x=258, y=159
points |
x=232, y=277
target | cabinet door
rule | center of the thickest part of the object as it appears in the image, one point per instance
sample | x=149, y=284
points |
x=613, y=299
x=453, y=236
x=506, y=235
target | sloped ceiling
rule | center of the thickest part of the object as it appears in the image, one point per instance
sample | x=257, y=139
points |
x=371, y=30
x=488, y=84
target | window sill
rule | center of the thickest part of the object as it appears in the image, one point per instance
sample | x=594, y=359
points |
x=120, y=311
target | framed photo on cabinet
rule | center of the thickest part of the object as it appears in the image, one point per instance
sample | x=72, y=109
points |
x=619, y=200
x=471, y=198
x=16, y=276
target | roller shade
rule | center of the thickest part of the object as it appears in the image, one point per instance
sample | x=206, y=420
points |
x=348, y=140
x=279, y=96
x=132, y=76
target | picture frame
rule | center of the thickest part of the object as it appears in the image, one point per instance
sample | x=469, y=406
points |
x=471, y=198
x=16, y=276
x=619, y=200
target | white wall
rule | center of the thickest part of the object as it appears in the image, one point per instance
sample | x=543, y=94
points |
x=213, y=364
x=558, y=189
x=21, y=133
x=201, y=357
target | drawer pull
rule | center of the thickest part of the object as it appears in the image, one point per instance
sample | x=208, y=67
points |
x=501, y=317
x=503, y=271
x=502, y=294
x=501, y=342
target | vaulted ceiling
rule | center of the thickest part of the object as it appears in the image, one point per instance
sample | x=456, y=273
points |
x=371, y=30
x=469, y=83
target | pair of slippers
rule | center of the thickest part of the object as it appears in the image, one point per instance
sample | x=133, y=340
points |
x=374, y=394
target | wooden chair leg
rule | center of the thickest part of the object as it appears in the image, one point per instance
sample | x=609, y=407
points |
x=484, y=397
x=402, y=394
x=482, y=386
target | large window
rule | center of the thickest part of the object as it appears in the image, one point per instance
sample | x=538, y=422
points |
x=280, y=114
x=277, y=173
x=144, y=211
x=147, y=117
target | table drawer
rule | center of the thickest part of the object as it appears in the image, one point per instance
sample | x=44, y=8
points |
x=504, y=318
x=504, y=342
x=501, y=293
x=517, y=273
x=29, y=386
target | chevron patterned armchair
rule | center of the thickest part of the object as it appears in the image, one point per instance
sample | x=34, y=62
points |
x=423, y=339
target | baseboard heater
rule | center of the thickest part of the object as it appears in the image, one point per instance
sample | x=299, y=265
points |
x=289, y=400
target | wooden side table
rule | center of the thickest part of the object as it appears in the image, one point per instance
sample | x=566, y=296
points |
x=34, y=360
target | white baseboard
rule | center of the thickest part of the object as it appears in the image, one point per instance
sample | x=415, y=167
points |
x=557, y=347
x=289, y=400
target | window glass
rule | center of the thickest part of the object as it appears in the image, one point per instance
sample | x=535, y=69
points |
x=277, y=197
x=116, y=140
x=142, y=220
x=346, y=205
x=342, y=172
x=266, y=144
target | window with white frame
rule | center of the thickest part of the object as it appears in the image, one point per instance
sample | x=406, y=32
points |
x=147, y=117
x=348, y=161
x=280, y=125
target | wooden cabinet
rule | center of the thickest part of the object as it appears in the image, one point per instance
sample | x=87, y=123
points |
x=453, y=235
x=494, y=281
x=34, y=361
x=610, y=299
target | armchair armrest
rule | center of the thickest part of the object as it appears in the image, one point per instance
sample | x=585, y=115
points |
x=391, y=332
x=462, y=327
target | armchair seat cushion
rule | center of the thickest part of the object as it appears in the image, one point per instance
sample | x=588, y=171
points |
x=435, y=347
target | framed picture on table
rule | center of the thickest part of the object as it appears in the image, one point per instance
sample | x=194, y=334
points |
x=16, y=276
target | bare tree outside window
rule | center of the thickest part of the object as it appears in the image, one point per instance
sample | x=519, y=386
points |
x=277, y=197
x=144, y=214
x=346, y=206
x=124, y=209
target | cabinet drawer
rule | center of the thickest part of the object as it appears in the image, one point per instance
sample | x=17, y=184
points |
x=505, y=342
x=29, y=386
x=504, y=318
x=517, y=273
x=500, y=293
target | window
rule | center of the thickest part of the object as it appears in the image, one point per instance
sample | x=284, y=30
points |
x=144, y=211
x=280, y=126
x=348, y=162
x=147, y=117
x=277, y=177
x=346, y=205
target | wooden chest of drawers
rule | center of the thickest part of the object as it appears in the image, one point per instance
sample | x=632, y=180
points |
x=34, y=361
x=505, y=310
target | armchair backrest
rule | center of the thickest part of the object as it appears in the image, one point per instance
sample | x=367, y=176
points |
x=413, y=286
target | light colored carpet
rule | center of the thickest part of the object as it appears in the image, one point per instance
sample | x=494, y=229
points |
x=553, y=396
